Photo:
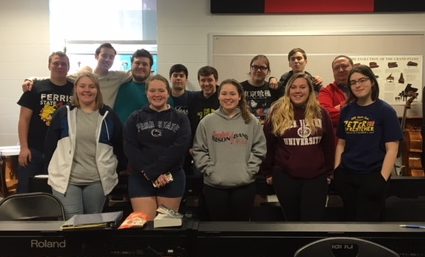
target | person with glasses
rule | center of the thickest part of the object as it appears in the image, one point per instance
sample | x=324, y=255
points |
x=297, y=58
x=334, y=96
x=259, y=97
x=258, y=94
x=300, y=151
x=368, y=137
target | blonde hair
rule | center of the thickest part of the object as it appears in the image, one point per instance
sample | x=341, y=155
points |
x=282, y=112
x=99, y=99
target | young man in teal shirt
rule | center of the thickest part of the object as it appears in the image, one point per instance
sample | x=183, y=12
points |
x=132, y=95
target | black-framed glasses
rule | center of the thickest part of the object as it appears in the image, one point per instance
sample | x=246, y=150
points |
x=258, y=67
x=359, y=81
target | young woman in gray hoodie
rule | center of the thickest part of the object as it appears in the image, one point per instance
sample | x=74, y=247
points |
x=228, y=149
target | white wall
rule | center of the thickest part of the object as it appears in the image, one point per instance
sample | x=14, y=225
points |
x=184, y=27
x=24, y=49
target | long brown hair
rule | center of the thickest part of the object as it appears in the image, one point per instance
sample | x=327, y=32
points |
x=243, y=106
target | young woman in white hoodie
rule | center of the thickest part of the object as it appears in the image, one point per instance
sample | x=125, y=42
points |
x=83, y=150
x=228, y=149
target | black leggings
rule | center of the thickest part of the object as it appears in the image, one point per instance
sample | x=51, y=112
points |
x=301, y=199
x=230, y=204
x=363, y=194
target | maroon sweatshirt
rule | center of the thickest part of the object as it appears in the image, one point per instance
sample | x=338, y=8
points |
x=299, y=152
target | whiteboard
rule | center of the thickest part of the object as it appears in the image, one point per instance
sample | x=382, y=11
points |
x=231, y=54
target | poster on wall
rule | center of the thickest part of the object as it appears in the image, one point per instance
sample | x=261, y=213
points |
x=399, y=76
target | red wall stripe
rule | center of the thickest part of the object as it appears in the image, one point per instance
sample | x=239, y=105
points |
x=318, y=6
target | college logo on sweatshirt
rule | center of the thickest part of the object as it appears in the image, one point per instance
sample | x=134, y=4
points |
x=359, y=125
x=156, y=127
x=304, y=134
x=54, y=99
x=302, y=141
x=230, y=137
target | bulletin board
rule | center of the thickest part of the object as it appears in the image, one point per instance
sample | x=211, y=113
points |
x=231, y=54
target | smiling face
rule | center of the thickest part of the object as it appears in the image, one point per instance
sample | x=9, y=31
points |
x=158, y=95
x=141, y=68
x=299, y=91
x=86, y=91
x=229, y=98
x=105, y=58
x=208, y=85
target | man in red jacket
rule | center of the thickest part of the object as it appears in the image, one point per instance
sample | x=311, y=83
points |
x=334, y=96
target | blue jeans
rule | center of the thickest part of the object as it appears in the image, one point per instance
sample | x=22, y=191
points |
x=26, y=173
x=82, y=199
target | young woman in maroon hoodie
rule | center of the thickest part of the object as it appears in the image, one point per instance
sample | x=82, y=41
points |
x=300, y=151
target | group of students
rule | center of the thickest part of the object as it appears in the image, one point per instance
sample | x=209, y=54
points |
x=293, y=134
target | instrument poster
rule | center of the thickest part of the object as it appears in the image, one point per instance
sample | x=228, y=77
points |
x=398, y=76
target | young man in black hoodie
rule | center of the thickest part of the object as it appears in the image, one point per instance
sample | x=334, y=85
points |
x=202, y=103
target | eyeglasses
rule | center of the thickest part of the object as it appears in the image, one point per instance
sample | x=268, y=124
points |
x=360, y=81
x=261, y=68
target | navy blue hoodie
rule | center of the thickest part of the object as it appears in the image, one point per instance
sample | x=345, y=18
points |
x=156, y=142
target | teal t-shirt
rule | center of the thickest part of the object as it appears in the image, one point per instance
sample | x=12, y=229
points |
x=131, y=97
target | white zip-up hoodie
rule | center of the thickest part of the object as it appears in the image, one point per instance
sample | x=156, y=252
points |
x=60, y=148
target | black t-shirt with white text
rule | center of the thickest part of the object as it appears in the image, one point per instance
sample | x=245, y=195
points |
x=44, y=99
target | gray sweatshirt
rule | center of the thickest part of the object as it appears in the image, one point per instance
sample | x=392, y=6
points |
x=227, y=151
